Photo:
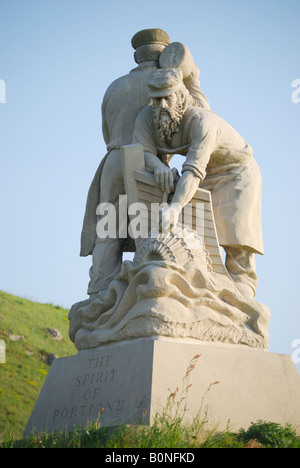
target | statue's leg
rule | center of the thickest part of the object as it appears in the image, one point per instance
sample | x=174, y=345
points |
x=107, y=253
x=107, y=259
x=240, y=264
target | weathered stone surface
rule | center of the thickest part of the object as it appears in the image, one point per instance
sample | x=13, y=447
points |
x=130, y=382
x=16, y=337
x=56, y=335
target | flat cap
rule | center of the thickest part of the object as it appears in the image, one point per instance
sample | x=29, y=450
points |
x=150, y=36
x=164, y=81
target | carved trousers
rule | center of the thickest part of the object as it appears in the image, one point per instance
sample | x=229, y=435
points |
x=240, y=264
x=107, y=253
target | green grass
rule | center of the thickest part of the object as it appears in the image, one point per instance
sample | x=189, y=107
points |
x=163, y=434
x=24, y=372
x=23, y=375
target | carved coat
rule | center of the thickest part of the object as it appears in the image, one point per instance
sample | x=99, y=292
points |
x=225, y=165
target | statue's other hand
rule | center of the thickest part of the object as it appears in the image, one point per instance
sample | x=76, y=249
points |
x=169, y=218
x=164, y=178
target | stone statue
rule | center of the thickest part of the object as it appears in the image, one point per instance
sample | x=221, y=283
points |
x=122, y=102
x=217, y=158
x=177, y=299
x=177, y=285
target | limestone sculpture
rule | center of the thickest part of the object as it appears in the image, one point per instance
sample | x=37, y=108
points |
x=177, y=284
x=147, y=321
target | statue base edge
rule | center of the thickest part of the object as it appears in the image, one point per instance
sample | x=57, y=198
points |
x=129, y=383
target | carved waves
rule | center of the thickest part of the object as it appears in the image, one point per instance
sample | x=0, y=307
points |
x=169, y=289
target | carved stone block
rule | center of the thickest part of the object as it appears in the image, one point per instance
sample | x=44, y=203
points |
x=130, y=382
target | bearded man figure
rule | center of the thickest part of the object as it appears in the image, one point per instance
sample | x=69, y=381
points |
x=217, y=157
x=168, y=113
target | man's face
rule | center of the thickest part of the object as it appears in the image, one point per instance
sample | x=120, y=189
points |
x=165, y=106
x=168, y=112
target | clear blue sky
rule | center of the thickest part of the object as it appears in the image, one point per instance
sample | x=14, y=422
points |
x=58, y=57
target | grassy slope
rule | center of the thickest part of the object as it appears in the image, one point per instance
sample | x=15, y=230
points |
x=25, y=370
x=23, y=374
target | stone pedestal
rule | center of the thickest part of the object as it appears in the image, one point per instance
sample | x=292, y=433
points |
x=130, y=382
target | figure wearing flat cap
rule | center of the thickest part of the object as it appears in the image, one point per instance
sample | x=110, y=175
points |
x=122, y=102
x=216, y=157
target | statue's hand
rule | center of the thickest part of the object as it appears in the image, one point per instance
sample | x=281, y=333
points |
x=169, y=218
x=164, y=178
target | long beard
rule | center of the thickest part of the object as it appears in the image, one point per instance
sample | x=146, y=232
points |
x=167, y=122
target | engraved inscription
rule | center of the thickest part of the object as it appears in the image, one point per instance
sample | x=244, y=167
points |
x=95, y=378
x=85, y=411
x=89, y=388
x=103, y=361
